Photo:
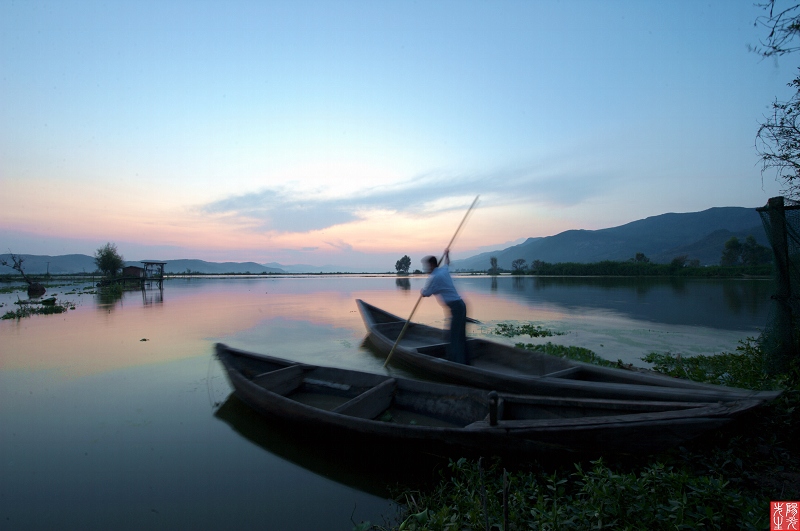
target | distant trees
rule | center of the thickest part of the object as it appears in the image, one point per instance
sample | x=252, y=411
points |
x=108, y=260
x=731, y=252
x=679, y=261
x=755, y=254
x=749, y=253
x=680, y=266
x=640, y=258
x=518, y=266
x=403, y=265
x=493, y=262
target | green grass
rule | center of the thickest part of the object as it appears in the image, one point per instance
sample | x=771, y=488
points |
x=473, y=496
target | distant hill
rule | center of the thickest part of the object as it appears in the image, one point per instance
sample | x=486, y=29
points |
x=305, y=268
x=215, y=268
x=81, y=263
x=699, y=235
x=56, y=265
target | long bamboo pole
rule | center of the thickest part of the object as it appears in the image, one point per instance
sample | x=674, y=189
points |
x=405, y=326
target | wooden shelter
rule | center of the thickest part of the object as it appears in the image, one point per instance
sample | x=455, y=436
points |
x=154, y=270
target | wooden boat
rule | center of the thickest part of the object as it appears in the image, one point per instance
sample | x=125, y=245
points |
x=346, y=405
x=491, y=365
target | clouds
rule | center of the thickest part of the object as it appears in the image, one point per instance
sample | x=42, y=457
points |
x=281, y=210
x=287, y=210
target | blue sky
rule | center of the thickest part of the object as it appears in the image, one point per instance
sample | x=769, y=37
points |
x=351, y=133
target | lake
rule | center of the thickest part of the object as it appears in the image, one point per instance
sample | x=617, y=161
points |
x=115, y=415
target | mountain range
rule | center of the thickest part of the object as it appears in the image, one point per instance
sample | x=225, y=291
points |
x=697, y=235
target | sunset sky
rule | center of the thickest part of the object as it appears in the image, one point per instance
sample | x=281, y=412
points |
x=353, y=132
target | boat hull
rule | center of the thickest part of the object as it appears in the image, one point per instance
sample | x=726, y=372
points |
x=501, y=367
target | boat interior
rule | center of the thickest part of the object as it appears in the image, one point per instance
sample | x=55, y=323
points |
x=410, y=402
x=499, y=358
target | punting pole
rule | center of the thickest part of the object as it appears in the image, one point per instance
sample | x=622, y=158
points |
x=405, y=326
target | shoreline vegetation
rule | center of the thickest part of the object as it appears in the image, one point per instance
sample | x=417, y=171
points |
x=723, y=480
x=565, y=269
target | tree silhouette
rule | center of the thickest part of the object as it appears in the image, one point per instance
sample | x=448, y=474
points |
x=403, y=264
x=108, y=260
x=493, y=262
x=519, y=265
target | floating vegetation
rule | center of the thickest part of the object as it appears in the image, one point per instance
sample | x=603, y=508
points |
x=743, y=368
x=530, y=329
x=45, y=307
x=573, y=353
x=12, y=289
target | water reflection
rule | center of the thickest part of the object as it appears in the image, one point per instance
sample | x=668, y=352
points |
x=403, y=283
x=316, y=320
x=730, y=304
x=356, y=465
x=519, y=283
x=153, y=296
x=108, y=296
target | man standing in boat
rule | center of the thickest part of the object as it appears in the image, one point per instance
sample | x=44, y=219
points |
x=441, y=284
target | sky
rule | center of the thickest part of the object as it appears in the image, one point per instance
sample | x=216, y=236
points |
x=351, y=133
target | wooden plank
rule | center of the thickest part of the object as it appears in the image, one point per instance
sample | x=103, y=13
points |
x=563, y=373
x=369, y=404
x=281, y=381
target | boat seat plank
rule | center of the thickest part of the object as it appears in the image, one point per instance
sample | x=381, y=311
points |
x=371, y=403
x=564, y=373
x=281, y=381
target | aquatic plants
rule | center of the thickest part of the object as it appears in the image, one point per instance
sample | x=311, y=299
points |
x=530, y=329
x=743, y=368
x=573, y=353
x=45, y=307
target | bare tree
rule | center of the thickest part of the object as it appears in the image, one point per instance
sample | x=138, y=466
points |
x=784, y=30
x=778, y=138
x=35, y=289
x=778, y=141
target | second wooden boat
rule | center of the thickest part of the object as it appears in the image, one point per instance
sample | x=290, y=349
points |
x=491, y=365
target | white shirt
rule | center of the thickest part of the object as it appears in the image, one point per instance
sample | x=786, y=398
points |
x=440, y=284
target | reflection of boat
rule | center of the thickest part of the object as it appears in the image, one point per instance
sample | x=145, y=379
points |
x=359, y=466
x=505, y=368
x=347, y=405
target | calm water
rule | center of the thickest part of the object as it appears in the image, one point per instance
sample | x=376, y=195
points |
x=115, y=416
